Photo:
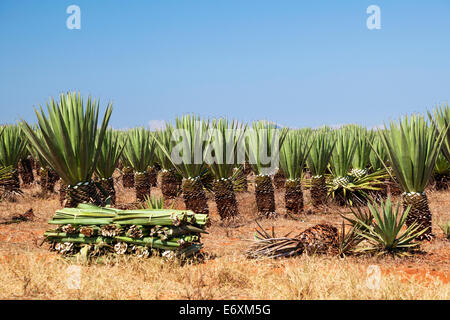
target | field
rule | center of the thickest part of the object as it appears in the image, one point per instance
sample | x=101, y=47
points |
x=251, y=152
x=30, y=271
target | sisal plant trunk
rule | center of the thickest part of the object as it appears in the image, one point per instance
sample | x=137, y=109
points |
x=152, y=176
x=318, y=191
x=170, y=184
x=62, y=192
x=265, y=198
x=108, y=187
x=321, y=238
x=142, y=185
x=225, y=199
x=51, y=180
x=128, y=177
x=11, y=186
x=83, y=193
x=194, y=196
x=293, y=196
x=48, y=180
x=43, y=179
x=419, y=212
x=279, y=179
x=26, y=171
x=442, y=182
x=36, y=166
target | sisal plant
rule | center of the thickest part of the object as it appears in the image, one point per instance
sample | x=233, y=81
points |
x=293, y=155
x=221, y=156
x=70, y=142
x=190, y=132
x=412, y=146
x=263, y=146
x=13, y=148
x=108, y=160
x=170, y=178
x=322, y=145
x=140, y=154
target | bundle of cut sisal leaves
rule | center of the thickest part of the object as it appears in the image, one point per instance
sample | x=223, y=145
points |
x=91, y=231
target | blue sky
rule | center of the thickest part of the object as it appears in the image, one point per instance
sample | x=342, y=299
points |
x=299, y=63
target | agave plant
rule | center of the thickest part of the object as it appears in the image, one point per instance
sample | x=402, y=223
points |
x=154, y=169
x=348, y=240
x=5, y=172
x=188, y=143
x=263, y=147
x=153, y=174
x=279, y=178
x=386, y=234
x=140, y=153
x=378, y=160
x=242, y=168
x=361, y=157
x=413, y=147
x=348, y=187
x=48, y=176
x=322, y=145
x=378, y=156
x=441, y=173
x=71, y=143
x=360, y=215
x=224, y=138
x=13, y=148
x=125, y=165
x=293, y=155
x=340, y=165
x=26, y=167
x=111, y=151
x=360, y=221
x=153, y=202
x=441, y=121
x=170, y=178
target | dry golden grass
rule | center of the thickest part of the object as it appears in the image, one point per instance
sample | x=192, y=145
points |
x=28, y=271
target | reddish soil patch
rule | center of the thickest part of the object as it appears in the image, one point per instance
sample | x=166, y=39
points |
x=18, y=233
x=419, y=274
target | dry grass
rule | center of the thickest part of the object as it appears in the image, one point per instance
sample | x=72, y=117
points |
x=28, y=271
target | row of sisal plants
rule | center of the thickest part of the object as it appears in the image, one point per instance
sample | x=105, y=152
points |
x=349, y=165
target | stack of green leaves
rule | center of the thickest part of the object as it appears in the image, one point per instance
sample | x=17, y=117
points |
x=92, y=230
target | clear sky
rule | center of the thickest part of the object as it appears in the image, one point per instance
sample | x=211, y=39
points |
x=299, y=63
